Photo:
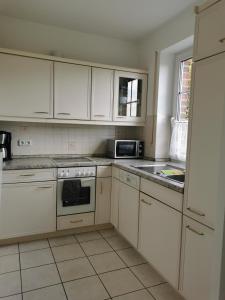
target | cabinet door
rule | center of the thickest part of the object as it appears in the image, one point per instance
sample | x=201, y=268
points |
x=72, y=91
x=206, y=132
x=196, y=263
x=114, y=218
x=25, y=87
x=102, y=93
x=130, y=92
x=160, y=237
x=27, y=208
x=128, y=213
x=103, y=199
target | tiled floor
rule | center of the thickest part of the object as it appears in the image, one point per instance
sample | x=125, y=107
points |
x=88, y=266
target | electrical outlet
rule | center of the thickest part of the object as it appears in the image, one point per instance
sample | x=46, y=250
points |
x=23, y=143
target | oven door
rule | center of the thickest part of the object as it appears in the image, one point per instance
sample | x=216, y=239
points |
x=126, y=149
x=75, y=195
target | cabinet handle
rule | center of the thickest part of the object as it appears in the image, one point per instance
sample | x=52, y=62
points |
x=222, y=40
x=101, y=190
x=45, y=187
x=194, y=230
x=128, y=179
x=100, y=116
x=77, y=221
x=27, y=175
x=196, y=212
x=144, y=201
x=64, y=114
x=41, y=112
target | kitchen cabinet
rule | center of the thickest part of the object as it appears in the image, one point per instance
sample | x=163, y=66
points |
x=210, y=31
x=128, y=213
x=160, y=237
x=130, y=92
x=103, y=200
x=72, y=85
x=114, y=215
x=205, y=135
x=102, y=94
x=25, y=87
x=27, y=208
x=196, y=264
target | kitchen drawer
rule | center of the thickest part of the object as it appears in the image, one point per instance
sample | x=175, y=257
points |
x=116, y=172
x=104, y=171
x=210, y=31
x=130, y=179
x=163, y=194
x=74, y=221
x=28, y=175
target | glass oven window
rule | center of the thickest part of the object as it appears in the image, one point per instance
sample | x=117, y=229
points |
x=126, y=149
x=73, y=193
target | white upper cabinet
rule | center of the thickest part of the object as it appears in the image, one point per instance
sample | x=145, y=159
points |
x=206, y=133
x=130, y=92
x=72, y=91
x=25, y=87
x=210, y=31
x=102, y=94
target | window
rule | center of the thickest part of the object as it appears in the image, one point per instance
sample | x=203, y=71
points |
x=178, y=146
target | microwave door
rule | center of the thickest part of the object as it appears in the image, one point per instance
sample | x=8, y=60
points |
x=126, y=149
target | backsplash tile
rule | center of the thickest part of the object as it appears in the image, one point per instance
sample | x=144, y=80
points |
x=65, y=139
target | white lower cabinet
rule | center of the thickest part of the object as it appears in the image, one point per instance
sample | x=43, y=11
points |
x=160, y=237
x=196, y=264
x=103, y=195
x=128, y=213
x=27, y=208
x=114, y=217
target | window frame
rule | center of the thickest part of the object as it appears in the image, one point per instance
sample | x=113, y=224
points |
x=187, y=54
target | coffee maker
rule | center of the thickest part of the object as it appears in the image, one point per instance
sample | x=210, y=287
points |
x=5, y=145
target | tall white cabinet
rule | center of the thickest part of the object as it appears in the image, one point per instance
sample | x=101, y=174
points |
x=72, y=91
x=25, y=87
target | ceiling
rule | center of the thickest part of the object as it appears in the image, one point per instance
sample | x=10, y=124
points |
x=125, y=19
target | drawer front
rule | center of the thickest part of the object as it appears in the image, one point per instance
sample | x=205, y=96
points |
x=74, y=221
x=130, y=179
x=116, y=172
x=29, y=175
x=210, y=31
x=104, y=171
x=163, y=194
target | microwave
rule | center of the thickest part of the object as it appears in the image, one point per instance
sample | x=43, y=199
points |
x=125, y=149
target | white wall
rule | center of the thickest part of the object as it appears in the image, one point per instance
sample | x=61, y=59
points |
x=173, y=32
x=35, y=37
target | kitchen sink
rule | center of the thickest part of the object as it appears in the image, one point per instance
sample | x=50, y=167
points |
x=159, y=169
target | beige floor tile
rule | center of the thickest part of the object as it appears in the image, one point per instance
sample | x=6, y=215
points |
x=66, y=252
x=88, y=236
x=131, y=257
x=7, y=250
x=55, y=292
x=96, y=247
x=106, y=262
x=36, y=258
x=39, y=277
x=139, y=295
x=62, y=240
x=165, y=292
x=14, y=297
x=10, y=284
x=75, y=269
x=86, y=289
x=34, y=245
x=118, y=242
x=120, y=282
x=108, y=232
x=147, y=275
x=9, y=263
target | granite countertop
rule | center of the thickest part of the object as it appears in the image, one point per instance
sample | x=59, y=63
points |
x=125, y=164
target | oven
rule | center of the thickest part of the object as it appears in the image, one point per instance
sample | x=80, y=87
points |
x=76, y=190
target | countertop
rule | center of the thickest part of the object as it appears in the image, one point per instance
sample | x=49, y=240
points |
x=41, y=162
